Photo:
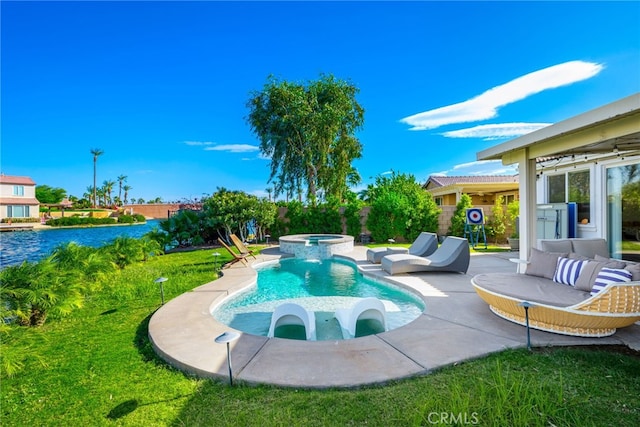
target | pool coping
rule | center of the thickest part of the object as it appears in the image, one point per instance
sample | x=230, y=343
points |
x=456, y=326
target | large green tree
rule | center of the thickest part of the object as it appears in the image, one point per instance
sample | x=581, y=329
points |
x=308, y=132
x=400, y=207
x=49, y=195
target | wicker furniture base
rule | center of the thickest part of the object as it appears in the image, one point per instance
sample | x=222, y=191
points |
x=616, y=306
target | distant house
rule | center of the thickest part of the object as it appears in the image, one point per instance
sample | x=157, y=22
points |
x=447, y=190
x=483, y=190
x=18, y=197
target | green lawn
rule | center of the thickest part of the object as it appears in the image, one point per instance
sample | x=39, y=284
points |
x=96, y=367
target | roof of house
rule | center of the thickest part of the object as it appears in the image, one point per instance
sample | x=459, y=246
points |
x=443, y=181
x=17, y=180
x=4, y=201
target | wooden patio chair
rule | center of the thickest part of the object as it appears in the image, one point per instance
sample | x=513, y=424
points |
x=241, y=246
x=236, y=257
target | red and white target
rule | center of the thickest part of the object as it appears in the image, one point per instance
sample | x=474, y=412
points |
x=475, y=216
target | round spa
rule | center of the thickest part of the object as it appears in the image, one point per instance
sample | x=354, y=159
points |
x=316, y=246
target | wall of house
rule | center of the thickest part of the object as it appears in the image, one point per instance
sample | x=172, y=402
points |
x=6, y=191
x=597, y=227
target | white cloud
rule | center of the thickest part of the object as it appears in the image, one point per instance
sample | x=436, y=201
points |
x=478, y=168
x=473, y=164
x=495, y=131
x=485, y=106
x=234, y=148
x=197, y=143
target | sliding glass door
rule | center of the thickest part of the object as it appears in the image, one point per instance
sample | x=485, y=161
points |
x=623, y=211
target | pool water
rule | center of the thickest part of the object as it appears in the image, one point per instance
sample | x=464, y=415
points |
x=321, y=286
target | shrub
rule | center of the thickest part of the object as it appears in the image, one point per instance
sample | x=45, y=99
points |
x=497, y=227
x=387, y=218
x=400, y=207
x=20, y=220
x=126, y=219
x=76, y=221
x=352, y=217
x=184, y=228
x=513, y=211
x=459, y=218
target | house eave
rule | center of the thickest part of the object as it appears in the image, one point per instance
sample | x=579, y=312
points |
x=616, y=125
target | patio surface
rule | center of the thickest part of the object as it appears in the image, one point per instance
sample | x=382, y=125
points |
x=455, y=326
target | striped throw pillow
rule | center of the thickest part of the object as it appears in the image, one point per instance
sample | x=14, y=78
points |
x=610, y=275
x=568, y=270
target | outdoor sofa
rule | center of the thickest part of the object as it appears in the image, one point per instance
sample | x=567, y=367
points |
x=572, y=287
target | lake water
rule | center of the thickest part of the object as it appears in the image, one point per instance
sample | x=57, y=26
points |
x=18, y=246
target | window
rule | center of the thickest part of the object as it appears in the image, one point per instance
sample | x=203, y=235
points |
x=18, y=190
x=18, y=211
x=438, y=201
x=572, y=187
x=623, y=211
x=509, y=198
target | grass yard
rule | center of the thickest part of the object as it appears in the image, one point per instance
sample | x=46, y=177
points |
x=96, y=367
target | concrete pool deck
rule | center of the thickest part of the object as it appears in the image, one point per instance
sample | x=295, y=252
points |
x=456, y=326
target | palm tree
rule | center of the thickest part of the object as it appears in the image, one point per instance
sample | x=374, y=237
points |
x=108, y=188
x=126, y=189
x=101, y=195
x=89, y=194
x=121, y=179
x=96, y=153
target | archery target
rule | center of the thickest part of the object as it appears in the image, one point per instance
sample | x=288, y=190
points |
x=475, y=216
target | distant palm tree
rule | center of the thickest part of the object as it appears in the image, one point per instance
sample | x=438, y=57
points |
x=126, y=189
x=121, y=179
x=108, y=188
x=89, y=195
x=101, y=195
x=96, y=153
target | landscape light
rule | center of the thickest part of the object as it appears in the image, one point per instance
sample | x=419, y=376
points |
x=215, y=260
x=160, y=281
x=226, y=338
x=526, y=305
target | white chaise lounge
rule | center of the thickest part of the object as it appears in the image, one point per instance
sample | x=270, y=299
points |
x=424, y=245
x=293, y=314
x=453, y=255
x=365, y=309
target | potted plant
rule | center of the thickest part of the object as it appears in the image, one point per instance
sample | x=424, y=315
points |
x=513, y=212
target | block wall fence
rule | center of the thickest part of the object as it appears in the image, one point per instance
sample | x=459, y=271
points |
x=164, y=210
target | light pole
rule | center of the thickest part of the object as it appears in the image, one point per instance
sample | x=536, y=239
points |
x=227, y=338
x=160, y=281
x=267, y=236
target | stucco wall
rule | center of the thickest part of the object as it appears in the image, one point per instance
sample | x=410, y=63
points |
x=155, y=210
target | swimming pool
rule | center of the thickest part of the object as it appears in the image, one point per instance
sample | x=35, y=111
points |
x=321, y=286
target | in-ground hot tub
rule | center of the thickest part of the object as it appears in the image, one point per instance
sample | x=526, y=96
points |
x=316, y=246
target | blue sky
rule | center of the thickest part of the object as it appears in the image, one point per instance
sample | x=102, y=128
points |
x=162, y=87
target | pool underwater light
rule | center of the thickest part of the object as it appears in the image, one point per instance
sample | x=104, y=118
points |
x=228, y=337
